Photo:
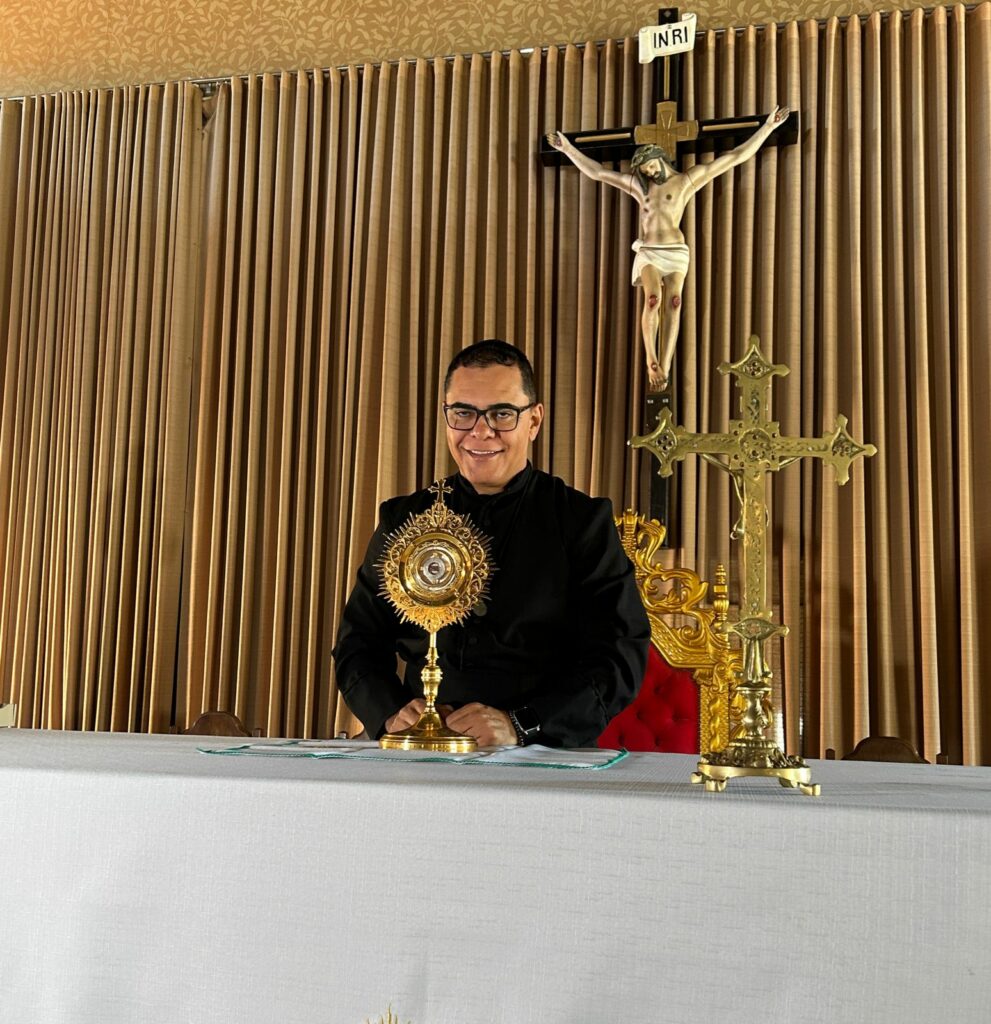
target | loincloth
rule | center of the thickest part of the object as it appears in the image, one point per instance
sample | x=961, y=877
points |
x=666, y=259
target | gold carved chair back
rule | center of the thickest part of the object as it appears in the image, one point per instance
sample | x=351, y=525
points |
x=683, y=629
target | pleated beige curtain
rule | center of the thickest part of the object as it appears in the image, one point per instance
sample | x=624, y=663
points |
x=361, y=227
x=349, y=231
x=100, y=197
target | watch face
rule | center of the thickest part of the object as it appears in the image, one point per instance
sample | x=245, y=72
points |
x=527, y=719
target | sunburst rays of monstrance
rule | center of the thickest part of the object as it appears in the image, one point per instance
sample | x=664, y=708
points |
x=435, y=569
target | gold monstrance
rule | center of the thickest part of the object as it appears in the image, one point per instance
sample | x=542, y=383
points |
x=434, y=571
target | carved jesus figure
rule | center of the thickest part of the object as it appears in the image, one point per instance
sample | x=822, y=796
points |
x=661, y=261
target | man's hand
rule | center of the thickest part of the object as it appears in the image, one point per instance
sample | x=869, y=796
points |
x=490, y=726
x=408, y=716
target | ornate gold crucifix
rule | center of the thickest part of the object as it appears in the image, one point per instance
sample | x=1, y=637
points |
x=752, y=448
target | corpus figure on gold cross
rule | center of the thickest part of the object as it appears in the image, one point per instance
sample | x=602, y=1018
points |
x=661, y=262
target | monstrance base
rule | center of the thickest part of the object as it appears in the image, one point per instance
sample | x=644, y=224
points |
x=429, y=733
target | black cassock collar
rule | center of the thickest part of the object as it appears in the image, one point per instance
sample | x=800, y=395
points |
x=474, y=501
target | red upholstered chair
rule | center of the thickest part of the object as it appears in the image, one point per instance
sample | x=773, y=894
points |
x=684, y=703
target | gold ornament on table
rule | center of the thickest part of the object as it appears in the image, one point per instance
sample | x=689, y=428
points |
x=752, y=448
x=435, y=570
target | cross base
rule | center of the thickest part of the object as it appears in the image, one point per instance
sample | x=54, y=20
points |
x=738, y=761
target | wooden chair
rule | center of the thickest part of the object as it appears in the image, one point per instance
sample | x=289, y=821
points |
x=218, y=723
x=884, y=748
x=684, y=703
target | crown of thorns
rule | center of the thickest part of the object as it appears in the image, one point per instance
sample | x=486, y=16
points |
x=648, y=152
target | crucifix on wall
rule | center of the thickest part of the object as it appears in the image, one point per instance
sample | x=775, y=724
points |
x=662, y=191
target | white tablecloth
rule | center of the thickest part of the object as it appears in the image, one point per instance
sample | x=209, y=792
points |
x=143, y=882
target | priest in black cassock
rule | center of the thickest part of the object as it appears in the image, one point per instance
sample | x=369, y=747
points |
x=560, y=644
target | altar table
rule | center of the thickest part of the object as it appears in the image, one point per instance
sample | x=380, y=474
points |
x=142, y=882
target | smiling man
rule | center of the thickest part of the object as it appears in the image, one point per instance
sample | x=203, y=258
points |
x=560, y=645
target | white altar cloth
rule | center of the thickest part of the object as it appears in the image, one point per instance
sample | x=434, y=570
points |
x=143, y=882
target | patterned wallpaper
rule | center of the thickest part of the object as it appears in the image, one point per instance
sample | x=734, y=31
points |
x=58, y=44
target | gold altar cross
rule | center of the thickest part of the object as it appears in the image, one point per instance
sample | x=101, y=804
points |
x=753, y=447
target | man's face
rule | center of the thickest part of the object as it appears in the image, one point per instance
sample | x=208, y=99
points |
x=488, y=459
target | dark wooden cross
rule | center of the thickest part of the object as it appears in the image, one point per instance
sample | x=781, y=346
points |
x=676, y=137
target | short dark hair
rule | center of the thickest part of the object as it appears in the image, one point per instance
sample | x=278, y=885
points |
x=494, y=353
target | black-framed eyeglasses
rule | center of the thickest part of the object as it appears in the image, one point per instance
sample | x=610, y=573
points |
x=499, y=417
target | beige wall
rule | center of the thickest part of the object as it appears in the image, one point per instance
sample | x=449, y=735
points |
x=57, y=44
